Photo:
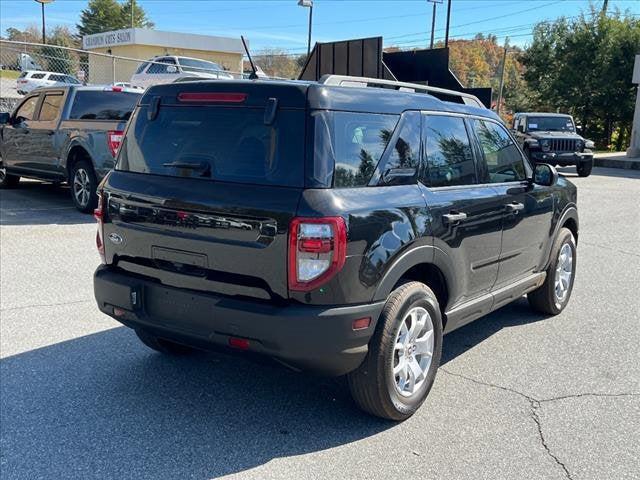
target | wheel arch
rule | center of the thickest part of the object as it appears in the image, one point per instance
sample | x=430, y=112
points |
x=419, y=264
x=76, y=153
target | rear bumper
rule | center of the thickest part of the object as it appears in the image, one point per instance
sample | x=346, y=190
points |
x=563, y=159
x=314, y=338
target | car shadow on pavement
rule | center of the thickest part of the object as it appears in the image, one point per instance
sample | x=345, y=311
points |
x=513, y=315
x=37, y=203
x=104, y=406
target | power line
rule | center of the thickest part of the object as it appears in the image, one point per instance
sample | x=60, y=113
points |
x=478, y=21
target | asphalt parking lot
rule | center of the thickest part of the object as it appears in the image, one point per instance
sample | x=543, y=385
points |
x=519, y=395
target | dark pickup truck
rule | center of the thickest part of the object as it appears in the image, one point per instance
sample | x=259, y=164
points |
x=552, y=138
x=65, y=134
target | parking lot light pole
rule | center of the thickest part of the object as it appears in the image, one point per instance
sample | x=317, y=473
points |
x=308, y=4
x=42, y=4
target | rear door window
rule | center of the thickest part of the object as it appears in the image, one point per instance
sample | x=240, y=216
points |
x=448, y=152
x=50, y=107
x=38, y=76
x=226, y=144
x=103, y=105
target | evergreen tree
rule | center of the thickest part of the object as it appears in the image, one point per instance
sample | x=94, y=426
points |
x=106, y=15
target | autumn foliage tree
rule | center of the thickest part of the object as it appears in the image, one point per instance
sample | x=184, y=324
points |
x=584, y=66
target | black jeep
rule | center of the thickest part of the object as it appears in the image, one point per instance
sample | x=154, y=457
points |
x=552, y=138
x=337, y=227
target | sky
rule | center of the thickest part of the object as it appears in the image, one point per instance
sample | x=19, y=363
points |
x=283, y=24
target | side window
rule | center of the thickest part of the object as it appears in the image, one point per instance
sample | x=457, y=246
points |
x=27, y=109
x=161, y=67
x=57, y=78
x=142, y=67
x=503, y=159
x=448, y=152
x=404, y=155
x=50, y=107
x=38, y=76
x=358, y=141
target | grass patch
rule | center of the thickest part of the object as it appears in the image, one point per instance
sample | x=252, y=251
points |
x=9, y=74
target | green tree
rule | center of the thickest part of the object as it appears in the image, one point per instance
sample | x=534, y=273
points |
x=106, y=15
x=140, y=19
x=583, y=67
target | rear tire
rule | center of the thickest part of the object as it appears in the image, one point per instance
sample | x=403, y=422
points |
x=382, y=385
x=7, y=180
x=554, y=294
x=584, y=168
x=83, y=183
x=162, y=345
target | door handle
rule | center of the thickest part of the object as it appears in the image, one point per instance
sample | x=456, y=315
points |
x=514, y=207
x=453, y=218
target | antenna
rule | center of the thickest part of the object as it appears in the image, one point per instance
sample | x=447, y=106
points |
x=254, y=73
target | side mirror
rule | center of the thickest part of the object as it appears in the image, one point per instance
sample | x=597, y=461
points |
x=520, y=128
x=4, y=118
x=545, y=175
x=172, y=69
x=578, y=128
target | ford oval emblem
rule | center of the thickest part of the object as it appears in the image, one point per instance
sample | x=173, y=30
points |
x=115, y=238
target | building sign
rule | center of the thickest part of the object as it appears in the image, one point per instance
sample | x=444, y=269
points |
x=108, y=39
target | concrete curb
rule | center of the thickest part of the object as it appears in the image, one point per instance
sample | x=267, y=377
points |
x=617, y=161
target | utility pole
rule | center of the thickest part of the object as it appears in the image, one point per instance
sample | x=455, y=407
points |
x=605, y=4
x=504, y=62
x=446, y=33
x=42, y=4
x=433, y=20
x=132, y=2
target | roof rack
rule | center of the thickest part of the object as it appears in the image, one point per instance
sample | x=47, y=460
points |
x=347, y=81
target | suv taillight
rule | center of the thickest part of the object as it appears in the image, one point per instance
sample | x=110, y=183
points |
x=114, y=140
x=317, y=251
x=98, y=214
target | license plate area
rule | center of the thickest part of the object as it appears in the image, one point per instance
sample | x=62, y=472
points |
x=181, y=310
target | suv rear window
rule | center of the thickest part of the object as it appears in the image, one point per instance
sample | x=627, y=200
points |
x=228, y=144
x=101, y=105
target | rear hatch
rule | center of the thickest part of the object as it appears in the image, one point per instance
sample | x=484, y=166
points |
x=208, y=178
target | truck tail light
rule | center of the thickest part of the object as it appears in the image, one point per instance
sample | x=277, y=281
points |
x=317, y=251
x=98, y=214
x=114, y=140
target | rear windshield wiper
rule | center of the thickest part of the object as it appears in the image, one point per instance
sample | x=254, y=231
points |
x=201, y=166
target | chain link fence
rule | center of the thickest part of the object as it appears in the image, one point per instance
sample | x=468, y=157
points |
x=71, y=65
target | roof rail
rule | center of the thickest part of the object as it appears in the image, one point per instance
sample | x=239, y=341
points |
x=347, y=81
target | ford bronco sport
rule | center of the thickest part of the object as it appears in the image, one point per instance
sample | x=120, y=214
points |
x=338, y=227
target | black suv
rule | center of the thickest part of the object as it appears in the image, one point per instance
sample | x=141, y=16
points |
x=552, y=138
x=337, y=229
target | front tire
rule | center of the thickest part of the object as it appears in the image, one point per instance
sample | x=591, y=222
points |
x=83, y=182
x=554, y=294
x=7, y=180
x=162, y=345
x=404, y=355
x=584, y=168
